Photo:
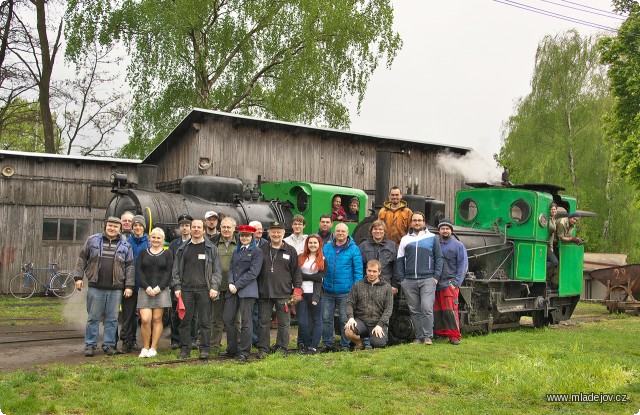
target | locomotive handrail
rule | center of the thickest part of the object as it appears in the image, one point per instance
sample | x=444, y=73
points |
x=503, y=261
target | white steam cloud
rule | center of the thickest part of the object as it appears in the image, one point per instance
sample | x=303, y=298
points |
x=472, y=166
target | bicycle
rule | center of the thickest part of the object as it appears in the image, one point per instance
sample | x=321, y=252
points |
x=23, y=285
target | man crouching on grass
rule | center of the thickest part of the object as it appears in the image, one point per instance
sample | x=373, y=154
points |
x=369, y=308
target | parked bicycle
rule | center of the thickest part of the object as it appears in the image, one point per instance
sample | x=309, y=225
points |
x=61, y=283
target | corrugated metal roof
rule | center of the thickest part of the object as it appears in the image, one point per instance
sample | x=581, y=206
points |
x=69, y=157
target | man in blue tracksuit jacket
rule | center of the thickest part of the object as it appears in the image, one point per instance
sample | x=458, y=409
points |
x=344, y=269
x=419, y=268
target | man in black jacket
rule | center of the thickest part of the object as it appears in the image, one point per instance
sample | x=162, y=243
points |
x=196, y=279
x=280, y=272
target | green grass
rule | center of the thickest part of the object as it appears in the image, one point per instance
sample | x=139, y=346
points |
x=34, y=310
x=502, y=373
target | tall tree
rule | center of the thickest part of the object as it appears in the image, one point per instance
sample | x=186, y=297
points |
x=37, y=53
x=622, y=54
x=293, y=60
x=561, y=120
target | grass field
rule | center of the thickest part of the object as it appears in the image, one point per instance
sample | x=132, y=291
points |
x=508, y=372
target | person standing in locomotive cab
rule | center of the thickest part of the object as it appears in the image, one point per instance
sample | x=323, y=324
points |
x=353, y=215
x=196, y=279
x=564, y=232
x=126, y=220
x=279, y=278
x=396, y=215
x=344, y=269
x=552, y=259
x=454, y=268
x=297, y=238
x=337, y=211
x=226, y=243
x=419, y=268
x=565, y=227
x=107, y=262
x=184, y=223
x=211, y=224
x=139, y=241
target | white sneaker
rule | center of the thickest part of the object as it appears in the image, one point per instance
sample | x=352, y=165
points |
x=144, y=353
x=152, y=353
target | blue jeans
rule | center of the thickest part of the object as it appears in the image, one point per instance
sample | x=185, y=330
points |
x=420, y=295
x=329, y=304
x=309, y=321
x=101, y=302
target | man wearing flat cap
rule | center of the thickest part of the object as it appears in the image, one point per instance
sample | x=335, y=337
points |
x=107, y=262
x=184, y=223
x=279, y=277
x=454, y=269
x=139, y=241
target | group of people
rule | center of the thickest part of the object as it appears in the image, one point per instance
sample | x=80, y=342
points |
x=229, y=278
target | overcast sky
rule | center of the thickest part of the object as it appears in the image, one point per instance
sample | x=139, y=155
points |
x=462, y=67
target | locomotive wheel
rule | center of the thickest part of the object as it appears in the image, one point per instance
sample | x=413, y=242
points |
x=539, y=320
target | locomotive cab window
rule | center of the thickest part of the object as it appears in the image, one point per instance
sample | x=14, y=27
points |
x=345, y=208
x=302, y=200
x=468, y=210
x=520, y=211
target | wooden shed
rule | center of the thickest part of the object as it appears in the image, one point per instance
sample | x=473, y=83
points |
x=49, y=204
x=223, y=144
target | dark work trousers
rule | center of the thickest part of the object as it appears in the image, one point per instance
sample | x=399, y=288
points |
x=129, y=318
x=200, y=303
x=175, y=322
x=232, y=306
x=265, y=305
x=217, y=323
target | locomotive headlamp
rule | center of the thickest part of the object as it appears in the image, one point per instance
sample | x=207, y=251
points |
x=118, y=179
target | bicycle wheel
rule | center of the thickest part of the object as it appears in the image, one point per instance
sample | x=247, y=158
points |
x=22, y=285
x=62, y=284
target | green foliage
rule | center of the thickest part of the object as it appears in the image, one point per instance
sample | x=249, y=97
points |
x=622, y=54
x=556, y=137
x=293, y=60
x=21, y=128
x=502, y=373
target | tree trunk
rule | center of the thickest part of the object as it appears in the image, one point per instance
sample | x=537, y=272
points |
x=44, y=83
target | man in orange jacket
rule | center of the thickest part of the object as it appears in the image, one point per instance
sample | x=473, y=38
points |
x=396, y=215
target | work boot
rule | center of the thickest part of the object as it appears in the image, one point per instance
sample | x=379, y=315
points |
x=110, y=351
x=89, y=351
x=185, y=353
x=126, y=347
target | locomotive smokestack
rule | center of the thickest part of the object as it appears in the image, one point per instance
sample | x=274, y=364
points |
x=383, y=173
x=147, y=177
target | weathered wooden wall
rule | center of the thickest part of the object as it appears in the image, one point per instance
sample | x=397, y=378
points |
x=277, y=152
x=49, y=188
